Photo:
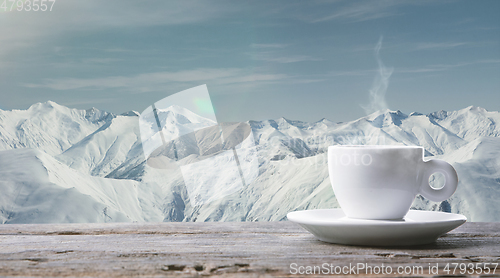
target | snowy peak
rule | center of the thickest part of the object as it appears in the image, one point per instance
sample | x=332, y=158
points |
x=48, y=105
x=475, y=109
x=469, y=123
x=180, y=116
x=95, y=115
x=48, y=126
x=44, y=109
x=440, y=115
x=131, y=113
x=388, y=118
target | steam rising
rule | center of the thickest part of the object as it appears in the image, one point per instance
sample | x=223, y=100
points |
x=380, y=84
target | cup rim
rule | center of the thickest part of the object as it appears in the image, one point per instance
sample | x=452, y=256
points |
x=374, y=147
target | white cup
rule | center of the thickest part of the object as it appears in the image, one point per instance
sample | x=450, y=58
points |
x=381, y=182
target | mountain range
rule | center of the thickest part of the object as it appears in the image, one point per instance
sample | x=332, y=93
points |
x=62, y=165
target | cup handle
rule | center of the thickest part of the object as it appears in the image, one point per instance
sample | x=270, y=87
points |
x=450, y=184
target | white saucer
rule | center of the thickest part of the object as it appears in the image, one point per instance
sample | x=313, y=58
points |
x=418, y=227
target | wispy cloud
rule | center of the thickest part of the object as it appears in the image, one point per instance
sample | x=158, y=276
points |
x=100, y=60
x=152, y=81
x=278, y=58
x=362, y=11
x=489, y=61
x=420, y=46
x=426, y=69
x=430, y=68
x=438, y=45
x=275, y=53
x=445, y=67
x=351, y=73
x=268, y=45
x=121, y=50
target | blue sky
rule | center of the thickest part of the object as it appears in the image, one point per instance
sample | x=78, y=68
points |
x=304, y=60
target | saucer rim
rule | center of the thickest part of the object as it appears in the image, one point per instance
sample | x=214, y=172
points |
x=345, y=221
x=376, y=233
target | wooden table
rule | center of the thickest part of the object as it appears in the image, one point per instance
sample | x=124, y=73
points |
x=224, y=249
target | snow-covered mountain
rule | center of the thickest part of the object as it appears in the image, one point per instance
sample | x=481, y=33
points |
x=36, y=188
x=48, y=126
x=67, y=165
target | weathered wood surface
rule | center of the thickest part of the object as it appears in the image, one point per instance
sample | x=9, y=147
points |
x=225, y=249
